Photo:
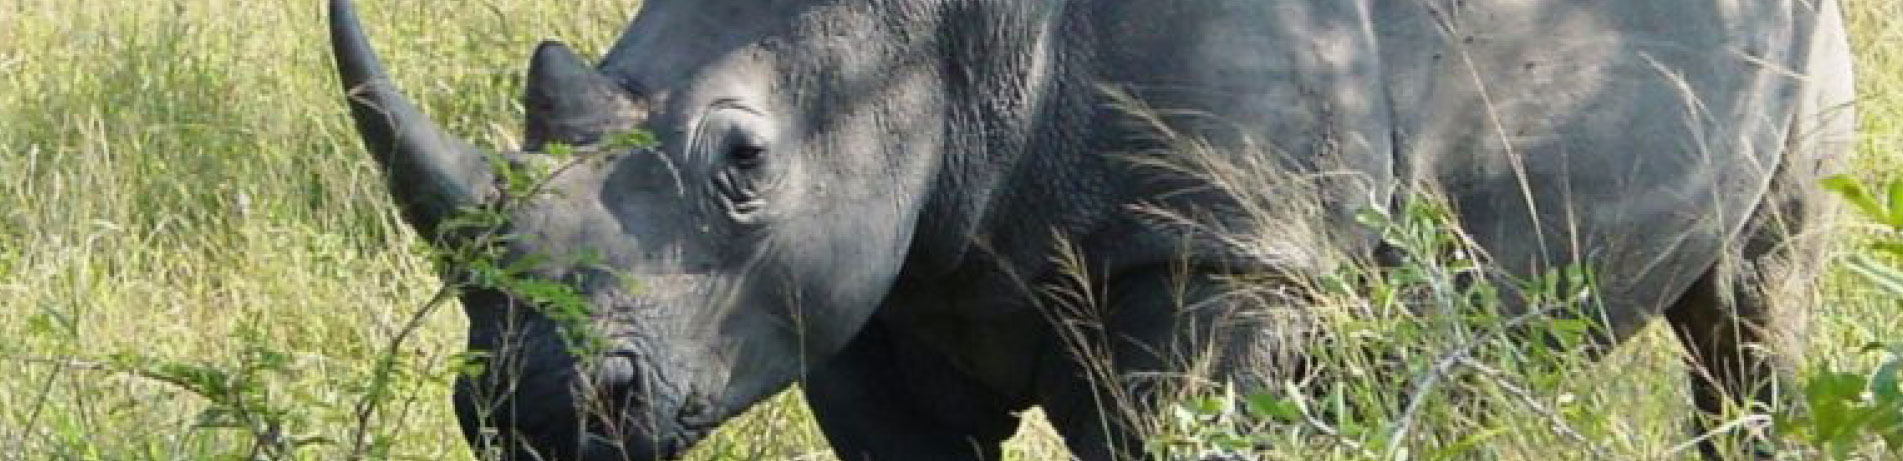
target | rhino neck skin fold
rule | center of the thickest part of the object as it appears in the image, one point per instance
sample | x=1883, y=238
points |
x=874, y=197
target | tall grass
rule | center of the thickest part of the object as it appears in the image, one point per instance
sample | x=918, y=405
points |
x=180, y=190
x=183, y=188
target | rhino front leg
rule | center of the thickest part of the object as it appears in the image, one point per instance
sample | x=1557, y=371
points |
x=881, y=400
x=1161, y=335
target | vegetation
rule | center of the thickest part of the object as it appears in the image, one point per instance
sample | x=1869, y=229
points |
x=197, y=261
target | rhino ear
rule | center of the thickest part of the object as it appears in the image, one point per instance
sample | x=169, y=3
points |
x=568, y=102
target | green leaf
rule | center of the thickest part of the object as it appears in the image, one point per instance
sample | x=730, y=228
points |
x=1894, y=248
x=1208, y=406
x=499, y=165
x=1831, y=396
x=558, y=150
x=1895, y=189
x=634, y=139
x=1851, y=189
x=1269, y=406
x=1888, y=424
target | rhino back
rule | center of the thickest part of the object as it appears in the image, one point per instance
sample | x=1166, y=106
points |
x=1632, y=136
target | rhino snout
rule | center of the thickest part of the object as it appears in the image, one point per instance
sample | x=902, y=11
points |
x=607, y=409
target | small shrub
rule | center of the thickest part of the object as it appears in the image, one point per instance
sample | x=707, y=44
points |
x=1845, y=409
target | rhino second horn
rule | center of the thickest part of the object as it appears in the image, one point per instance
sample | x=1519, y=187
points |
x=432, y=174
x=571, y=103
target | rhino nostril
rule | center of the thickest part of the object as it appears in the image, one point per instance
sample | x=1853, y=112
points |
x=615, y=369
x=614, y=383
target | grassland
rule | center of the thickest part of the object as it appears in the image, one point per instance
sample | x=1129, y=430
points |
x=179, y=186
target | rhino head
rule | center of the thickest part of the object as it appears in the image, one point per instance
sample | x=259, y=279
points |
x=764, y=226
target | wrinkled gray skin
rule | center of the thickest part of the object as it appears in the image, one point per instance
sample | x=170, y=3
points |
x=862, y=195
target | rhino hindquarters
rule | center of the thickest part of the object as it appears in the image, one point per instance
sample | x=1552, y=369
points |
x=1743, y=322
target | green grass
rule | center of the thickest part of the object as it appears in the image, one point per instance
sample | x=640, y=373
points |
x=181, y=185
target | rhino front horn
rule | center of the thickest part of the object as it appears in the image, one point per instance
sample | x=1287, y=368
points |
x=568, y=102
x=431, y=173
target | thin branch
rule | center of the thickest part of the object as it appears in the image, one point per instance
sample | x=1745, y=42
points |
x=386, y=364
x=1753, y=421
x=1557, y=423
x=1431, y=378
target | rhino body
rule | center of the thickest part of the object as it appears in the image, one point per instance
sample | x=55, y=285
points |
x=868, y=196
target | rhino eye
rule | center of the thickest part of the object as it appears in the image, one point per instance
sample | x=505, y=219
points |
x=734, y=142
x=744, y=177
x=746, y=156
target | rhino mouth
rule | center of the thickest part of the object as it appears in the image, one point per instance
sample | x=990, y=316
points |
x=627, y=436
x=635, y=424
x=600, y=443
x=599, y=412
